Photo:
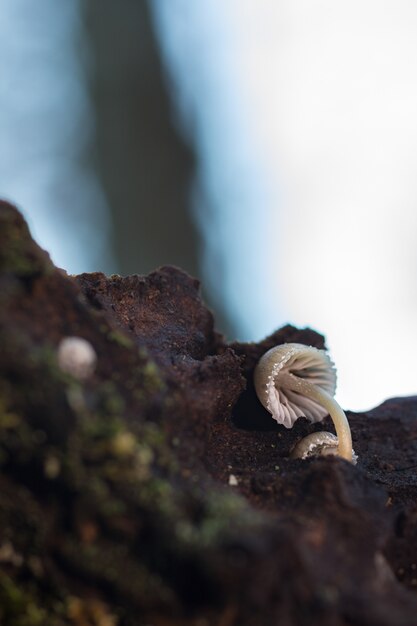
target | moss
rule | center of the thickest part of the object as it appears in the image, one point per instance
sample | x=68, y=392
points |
x=102, y=450
x=152, y=378
x=99, y=465
x=18, y=253
x=8, y=418
x=105, y=452
x=20, y=605
x=23, y=439
x=123, y=445
x=120, y=338
x=110, y=401
x=16, y=436
x=225, y=512
x=101, y=429
x=116, y=566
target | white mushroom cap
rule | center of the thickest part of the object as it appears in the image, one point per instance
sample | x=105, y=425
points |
x=305, y=362
x=76, y=356
x=322, y=443
x=318, y=444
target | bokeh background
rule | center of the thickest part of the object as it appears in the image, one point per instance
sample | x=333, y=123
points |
x=268, y=147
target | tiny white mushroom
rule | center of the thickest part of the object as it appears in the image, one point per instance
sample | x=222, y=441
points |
x=76, y=356
x=294, y=380
x=315, y=443
x=233, y=482
x=320, y=443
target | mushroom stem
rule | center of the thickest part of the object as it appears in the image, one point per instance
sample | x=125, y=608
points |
x=302, y=386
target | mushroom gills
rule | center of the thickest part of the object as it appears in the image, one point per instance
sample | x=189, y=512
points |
x=315, y=393
x=293, y=380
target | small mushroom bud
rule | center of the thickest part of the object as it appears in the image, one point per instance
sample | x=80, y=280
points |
x=77, y=357
x=293, y=380
x=315, y=443
x=320, y=443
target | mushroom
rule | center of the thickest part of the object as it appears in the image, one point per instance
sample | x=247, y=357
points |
x=77, y=357
x=321, y=443
x=294, y=380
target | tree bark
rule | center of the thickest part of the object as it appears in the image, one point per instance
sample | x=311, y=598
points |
x=118, y=504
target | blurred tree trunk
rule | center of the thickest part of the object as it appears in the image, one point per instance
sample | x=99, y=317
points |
x=144, y=165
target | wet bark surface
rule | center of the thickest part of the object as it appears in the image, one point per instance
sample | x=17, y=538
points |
x=159, y=491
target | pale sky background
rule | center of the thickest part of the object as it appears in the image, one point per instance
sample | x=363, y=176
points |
x=304, y=120
x=45, y=131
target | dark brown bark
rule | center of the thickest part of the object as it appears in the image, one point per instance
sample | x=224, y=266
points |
x=116, y=506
